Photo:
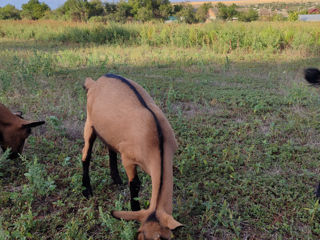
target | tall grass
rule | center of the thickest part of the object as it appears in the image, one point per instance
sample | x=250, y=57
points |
x=219, y=36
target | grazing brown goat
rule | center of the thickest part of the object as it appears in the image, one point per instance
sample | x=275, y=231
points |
x=14, y=130
x=126, y=118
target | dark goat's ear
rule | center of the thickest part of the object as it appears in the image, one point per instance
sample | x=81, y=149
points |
x=33, y=124
x=18, y=114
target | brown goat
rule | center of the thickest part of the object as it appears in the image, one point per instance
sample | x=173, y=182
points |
x=14, y=130
x=126, y=118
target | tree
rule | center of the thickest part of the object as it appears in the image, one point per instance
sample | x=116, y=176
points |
x=144, y=14
x=227, y=12
x=9, y=12
x=165, y=11
x=187, y=14
x=157, y=7
x=76, y=10
x=250, y=15
x=202, y=12
x=34, y=10
x=110, y=7
x=123, y=12
x=96, y=8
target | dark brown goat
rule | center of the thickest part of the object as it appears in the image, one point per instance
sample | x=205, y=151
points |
x=312, y=75
x=126, y=118
x=14, y=130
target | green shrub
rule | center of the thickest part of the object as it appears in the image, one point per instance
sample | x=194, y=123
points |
x=249, y=16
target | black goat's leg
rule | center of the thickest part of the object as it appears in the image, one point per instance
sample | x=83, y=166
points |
x=89, y=138
x=114, y=167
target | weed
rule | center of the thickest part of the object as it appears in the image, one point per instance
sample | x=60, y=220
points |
x=4, y=162
x=39, y=184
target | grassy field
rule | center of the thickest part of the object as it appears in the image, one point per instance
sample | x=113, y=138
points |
x=246, y=122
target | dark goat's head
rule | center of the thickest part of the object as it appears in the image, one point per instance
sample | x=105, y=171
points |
x=13, y=133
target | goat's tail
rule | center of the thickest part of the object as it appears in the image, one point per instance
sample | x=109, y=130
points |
x=88, y=83
x=312, y=75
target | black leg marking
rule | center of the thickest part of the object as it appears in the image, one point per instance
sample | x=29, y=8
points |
x=134, y=190
x=318, y=191
x=114, y=167
x=86, y=179
x=87, y=192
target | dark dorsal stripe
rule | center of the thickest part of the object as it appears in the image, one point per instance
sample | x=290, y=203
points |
x=159, y=130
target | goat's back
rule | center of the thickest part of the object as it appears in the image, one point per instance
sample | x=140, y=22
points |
x=120, y=119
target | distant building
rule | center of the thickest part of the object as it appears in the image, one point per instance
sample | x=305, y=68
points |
x=212, y=14
x=313, y=11
x=310, y=18
x=171, y=19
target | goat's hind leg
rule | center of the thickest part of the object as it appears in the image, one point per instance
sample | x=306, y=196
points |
x=89, y=138
x=114, y=167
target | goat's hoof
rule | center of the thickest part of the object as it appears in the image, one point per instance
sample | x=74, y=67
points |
x=87, y=193
x=117, y=181
x=135, y=206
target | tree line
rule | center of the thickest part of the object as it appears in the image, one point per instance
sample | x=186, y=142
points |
x=96, y=10
x=131, y=10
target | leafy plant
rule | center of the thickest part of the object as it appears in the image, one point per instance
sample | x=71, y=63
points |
x=39, y=184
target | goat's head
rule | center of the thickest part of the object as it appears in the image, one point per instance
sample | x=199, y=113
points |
x=155, y=226
x=153, y=230
x=13, y=134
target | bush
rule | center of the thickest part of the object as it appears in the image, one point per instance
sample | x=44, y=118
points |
x=9, y=12
x=202, y=12
x=278, y=17
x=293, y=16
x=98, y=19
x=187, y=14
x=249, y=16
x=227, y=12
x=144, y=14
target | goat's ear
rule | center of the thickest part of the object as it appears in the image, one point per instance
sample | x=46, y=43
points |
x=168, y=221
x=18, y=114
x=173, y=224
x=33, y=124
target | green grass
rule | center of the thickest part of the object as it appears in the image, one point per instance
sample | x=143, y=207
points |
x=220, y=37
x=247, y=126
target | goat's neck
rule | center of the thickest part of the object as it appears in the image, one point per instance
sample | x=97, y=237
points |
x=165, y=198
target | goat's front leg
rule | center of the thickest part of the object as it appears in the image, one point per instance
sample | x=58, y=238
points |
x=134, y=184
x=89, y=138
